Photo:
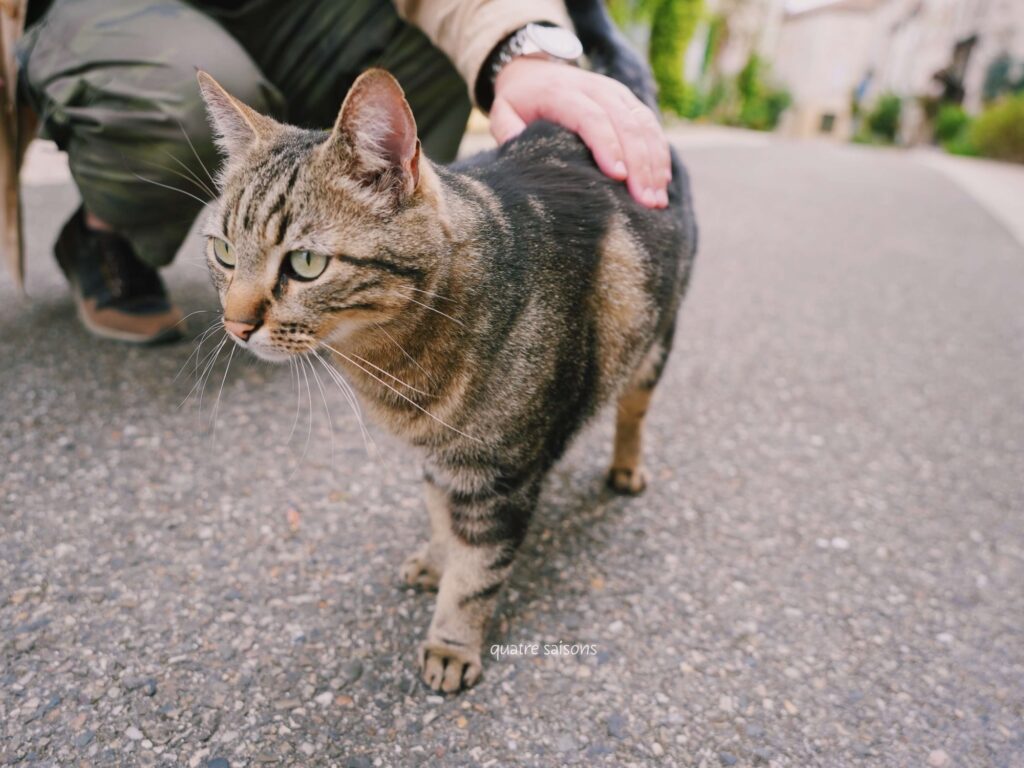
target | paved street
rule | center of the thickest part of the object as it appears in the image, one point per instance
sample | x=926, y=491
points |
x=827, y=570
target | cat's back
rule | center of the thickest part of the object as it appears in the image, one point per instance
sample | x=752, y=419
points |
x=556, y=215
x=546, y=181
x=580, y=279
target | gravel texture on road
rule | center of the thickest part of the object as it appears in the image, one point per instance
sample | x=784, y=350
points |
x=827, y=568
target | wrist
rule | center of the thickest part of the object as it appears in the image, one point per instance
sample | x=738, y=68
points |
x=537, y=40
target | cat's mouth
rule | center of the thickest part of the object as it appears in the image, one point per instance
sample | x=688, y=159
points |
x=263, y=347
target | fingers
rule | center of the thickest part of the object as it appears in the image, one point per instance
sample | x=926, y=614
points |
x=650, y=172
x=505, y=121
x=638, y=137
x=624, y=136
x=585, y=117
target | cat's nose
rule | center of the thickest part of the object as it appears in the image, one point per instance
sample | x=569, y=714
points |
x=239, y=329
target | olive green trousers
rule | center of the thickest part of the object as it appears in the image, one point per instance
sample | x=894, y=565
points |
x=114, y=84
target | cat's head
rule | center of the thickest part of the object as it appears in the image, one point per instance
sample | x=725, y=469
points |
x=317, y=235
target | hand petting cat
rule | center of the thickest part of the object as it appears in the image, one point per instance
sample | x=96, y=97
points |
x=624, y=136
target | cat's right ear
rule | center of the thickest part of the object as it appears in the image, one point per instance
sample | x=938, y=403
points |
x=236, y=127
x=375, y=131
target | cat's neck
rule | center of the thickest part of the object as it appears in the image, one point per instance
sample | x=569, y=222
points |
x=416, y=359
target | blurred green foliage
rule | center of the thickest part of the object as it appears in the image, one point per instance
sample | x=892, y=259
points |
x=672, y=24
x=998, y=132
x=749, y=100
x=950, y=123
x=760, y=104
x=883, y=121
x=671, y=30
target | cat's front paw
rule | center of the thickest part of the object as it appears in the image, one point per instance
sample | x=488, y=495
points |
x=419, y=569
x=449, y=667
x=629, y=482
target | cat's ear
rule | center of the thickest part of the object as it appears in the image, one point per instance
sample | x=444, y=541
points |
x=236, y=127
x=376, y=129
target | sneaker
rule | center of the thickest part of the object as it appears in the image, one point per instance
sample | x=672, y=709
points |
x=118, y=297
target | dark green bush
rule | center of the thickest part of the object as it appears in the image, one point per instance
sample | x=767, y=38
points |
x=884, y=119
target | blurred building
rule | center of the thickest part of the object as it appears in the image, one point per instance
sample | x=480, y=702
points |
x=834, y=55
x=824, y=57
x=753, y=27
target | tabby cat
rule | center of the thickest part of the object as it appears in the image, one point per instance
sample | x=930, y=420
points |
x=482, y=310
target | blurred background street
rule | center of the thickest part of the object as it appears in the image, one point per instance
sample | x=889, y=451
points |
x=942, y=73
x=826, y=570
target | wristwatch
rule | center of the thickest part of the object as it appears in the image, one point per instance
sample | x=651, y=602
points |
x=536, y=40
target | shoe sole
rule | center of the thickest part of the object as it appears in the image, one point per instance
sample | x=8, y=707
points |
x=174, y=333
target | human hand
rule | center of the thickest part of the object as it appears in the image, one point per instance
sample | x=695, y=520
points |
x=621, y=131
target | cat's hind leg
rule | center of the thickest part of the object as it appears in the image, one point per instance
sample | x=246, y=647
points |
x=423, y=568
x=627, y=474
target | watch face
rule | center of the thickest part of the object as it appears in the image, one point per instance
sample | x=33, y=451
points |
x=555, y=41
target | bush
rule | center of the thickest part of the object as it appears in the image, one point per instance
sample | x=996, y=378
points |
x=951, y=122
x=760, y=104
x=763, y=112
x=961, y=145
x=884, y=118
x=672, y=26
x=998, y=132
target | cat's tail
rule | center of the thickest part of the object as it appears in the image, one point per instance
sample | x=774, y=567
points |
x=609, y=52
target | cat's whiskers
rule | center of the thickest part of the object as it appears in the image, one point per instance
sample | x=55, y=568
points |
x=192, y=146
x=294, y=368
x=197, y=312
x=432, y=309
x=170, y=187
x=413, y=403
x=309, y=429
x=190, y=179
x=207, y=364
x=220, y=392
x=430, y=293
x=350, y=396
x=200, y=340
x=327, y=408
x=204, y=377
x=391, y=376
x=193, y=176
x=195, y=353
x=411, y=359
x=201, y=364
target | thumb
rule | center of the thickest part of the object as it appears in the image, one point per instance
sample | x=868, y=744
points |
x=505, y=121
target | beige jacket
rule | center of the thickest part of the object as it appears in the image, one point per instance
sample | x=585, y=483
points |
x=466, y=30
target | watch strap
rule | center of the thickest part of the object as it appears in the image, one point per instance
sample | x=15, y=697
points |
x=509, y=48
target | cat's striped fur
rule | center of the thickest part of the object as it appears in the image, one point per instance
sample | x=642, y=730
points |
x=484, y=311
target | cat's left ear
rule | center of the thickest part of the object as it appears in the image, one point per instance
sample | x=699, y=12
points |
x=236, y=126
x=376, y=130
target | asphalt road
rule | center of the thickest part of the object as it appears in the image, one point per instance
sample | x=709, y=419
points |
x=827, y=570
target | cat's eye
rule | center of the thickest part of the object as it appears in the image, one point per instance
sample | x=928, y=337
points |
x=223, y=253
x=305, y=265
